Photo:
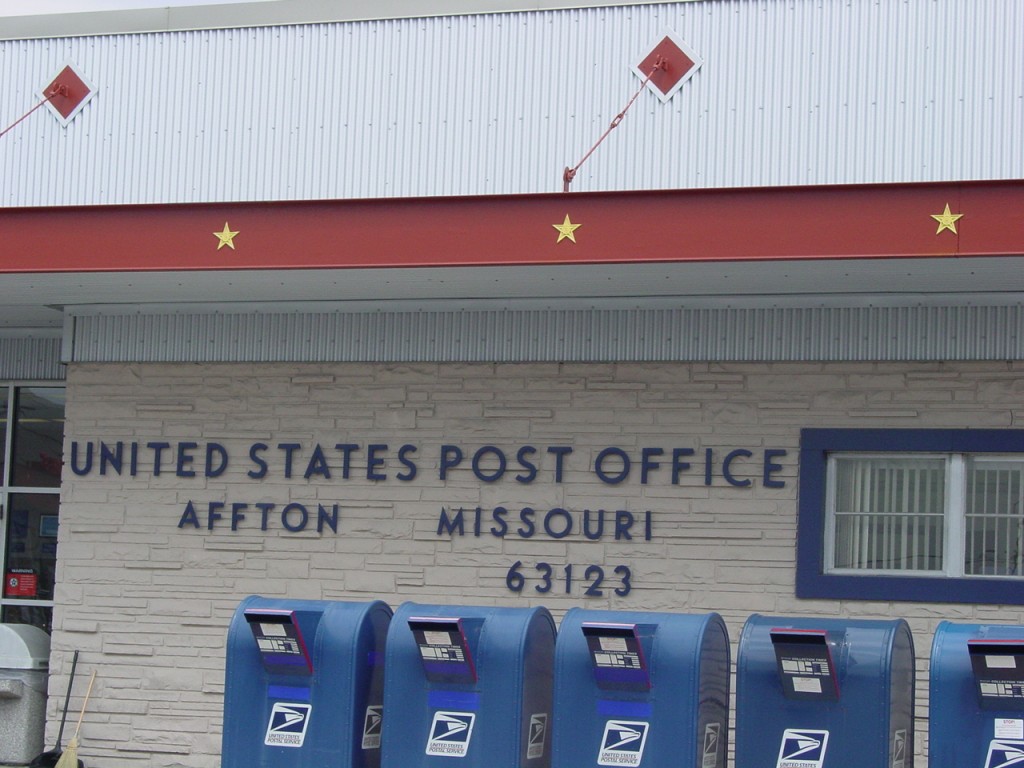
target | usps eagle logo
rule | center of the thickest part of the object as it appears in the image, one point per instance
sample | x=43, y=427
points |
x=537, y=736
x=372, y=726
x=712, y=736
x=802, y=748
x=288, y=724
x=623, y=743
x=450, y=733
x=1005, y=754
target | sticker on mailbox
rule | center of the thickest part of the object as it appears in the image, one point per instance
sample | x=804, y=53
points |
x=1010, y=728
x=623, y=743
x=450, y=733
x=538, y=735
x=1003, y=753
x=287, y=726
x=711, y=737
x=371, y=726
x=899, y=749
x=802, y=748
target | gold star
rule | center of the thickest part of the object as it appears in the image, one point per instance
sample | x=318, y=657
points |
x=946, y=220
x=226, y=238
x=566, y=230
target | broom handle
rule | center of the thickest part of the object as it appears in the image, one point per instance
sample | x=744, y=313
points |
x=67, y=698
x=81, y=714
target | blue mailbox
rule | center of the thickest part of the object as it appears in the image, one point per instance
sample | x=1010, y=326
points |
x=472, y=683
x=976, y=696
x=636, y=689
x=824, y=693
x=304, y=684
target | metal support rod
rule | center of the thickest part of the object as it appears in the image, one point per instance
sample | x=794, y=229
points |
x=570, y=173
x=57, y=90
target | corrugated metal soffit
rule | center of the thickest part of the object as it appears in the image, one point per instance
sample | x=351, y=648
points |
x=590, y=335
x=31, y=359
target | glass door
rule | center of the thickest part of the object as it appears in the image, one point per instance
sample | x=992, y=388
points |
x=32, y=418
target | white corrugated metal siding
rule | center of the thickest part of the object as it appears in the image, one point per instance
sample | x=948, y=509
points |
x=986, y=332
x=794, y=92
x=35, y=358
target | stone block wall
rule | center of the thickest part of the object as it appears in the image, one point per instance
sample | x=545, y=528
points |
x=207, y=483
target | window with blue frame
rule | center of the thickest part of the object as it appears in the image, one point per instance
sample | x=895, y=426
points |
x=911, y=514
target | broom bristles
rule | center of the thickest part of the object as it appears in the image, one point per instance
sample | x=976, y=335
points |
x=69, y=758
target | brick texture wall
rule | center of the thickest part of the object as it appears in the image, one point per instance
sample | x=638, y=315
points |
x=146, y=589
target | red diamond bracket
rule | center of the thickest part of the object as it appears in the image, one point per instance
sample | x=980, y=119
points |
x=678, y=60
x=67, y=93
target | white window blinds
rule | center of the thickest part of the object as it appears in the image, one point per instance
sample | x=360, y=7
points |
x=889, y=514
x=993, y=529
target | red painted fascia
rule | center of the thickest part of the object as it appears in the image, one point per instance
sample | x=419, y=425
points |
x=881, y=221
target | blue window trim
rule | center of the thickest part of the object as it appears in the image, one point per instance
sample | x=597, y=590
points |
x=811, y=579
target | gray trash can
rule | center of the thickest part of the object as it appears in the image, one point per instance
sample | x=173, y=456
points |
x=24, y=661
